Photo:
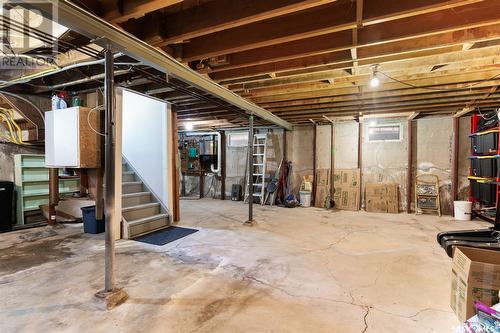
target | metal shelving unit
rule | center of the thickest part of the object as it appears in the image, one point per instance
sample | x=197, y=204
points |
x=477, y=179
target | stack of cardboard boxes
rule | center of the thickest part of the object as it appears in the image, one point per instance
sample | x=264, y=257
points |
x=346, y=189
x=382, y=198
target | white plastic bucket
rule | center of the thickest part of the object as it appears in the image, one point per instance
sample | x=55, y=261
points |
x=305, y=198
x=463, y=210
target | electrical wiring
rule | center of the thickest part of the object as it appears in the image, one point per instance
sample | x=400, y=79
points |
x=13, y=138
x=24, y=100
x=97, y=108
x=8, y=117
x=9, y=113
x=436, y=89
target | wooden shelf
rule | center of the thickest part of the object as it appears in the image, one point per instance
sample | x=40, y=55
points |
x=32, y=184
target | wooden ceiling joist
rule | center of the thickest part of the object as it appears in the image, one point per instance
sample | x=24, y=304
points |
x=115, y=11
x=394, y=31
x=299, y=26
x=219, y=15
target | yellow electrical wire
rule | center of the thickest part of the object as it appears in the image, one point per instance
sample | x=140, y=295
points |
x=6, y=113
x=12, y=136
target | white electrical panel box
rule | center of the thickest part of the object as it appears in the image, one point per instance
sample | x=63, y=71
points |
x=71, y=138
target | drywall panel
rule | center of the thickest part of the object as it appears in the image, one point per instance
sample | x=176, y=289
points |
x=145, y=141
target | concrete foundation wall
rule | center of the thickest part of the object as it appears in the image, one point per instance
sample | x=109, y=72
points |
x=346, y=145
x=386, y=162
x=300, y=152
x=434, y=154
x=7, y=152
x=382, y=162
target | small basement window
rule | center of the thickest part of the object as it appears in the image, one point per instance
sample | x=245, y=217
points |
x=383, y=132
x=238, y=139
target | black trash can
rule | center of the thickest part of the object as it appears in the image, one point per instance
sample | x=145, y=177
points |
x=6, y=205
x=90, y=224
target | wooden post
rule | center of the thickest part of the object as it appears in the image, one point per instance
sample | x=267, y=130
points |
x=454, y=161
x=285, y=147
x=360, y=159
x=176, y=209
x=222, y=152
x=332, y=160
x=53, y=194
x=84, y=182
x=313, y=194
x=409, y=172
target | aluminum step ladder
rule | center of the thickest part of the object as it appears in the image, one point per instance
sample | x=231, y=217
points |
x=258, y=171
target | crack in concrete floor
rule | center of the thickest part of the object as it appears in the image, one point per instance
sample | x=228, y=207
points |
x=285, y=271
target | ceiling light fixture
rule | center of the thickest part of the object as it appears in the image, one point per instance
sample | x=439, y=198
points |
x=189, y=126
x=375, y=81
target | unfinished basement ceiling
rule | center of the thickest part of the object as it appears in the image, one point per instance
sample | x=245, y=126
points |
x=78, y=68
x=303, y=60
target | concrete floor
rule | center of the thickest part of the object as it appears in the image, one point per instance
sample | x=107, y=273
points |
x=297, y=270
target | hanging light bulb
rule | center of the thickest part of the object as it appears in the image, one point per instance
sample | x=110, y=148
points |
x=375, y=81
x=189, y=126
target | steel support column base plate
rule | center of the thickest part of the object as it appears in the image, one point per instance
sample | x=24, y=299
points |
x=108, y=300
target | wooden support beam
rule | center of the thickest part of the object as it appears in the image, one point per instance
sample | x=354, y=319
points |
x=413, y=115
x=360, y=160
x=175, y=170
x=272, y=31
x=409, y=170
x=222, y=152
x=435, y=24
x=454, y=160
x=359, y=14
x=471, y=106
x=315, y=163
x=456, y=81
x=131, y=9
x=300, y=26
x=200, y=20
x=53, y=194
x=409, y=63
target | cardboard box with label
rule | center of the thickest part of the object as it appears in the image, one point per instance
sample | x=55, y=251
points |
x=346, y=188
x=475, y=275
x=322, y=195
x=382, y=198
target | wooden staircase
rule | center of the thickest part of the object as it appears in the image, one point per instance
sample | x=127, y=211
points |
x=141, y=211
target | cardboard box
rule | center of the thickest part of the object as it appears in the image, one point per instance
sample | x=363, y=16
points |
x=322, y=195
x=347, y=178
x=346, y=189
x=382, y=198
x=475, y=275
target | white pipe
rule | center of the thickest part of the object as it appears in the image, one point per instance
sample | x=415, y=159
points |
x=219, y=148
x=6, y=84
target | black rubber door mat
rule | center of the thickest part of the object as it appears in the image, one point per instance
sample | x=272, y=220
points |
x=165, y=236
